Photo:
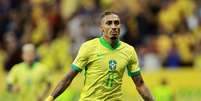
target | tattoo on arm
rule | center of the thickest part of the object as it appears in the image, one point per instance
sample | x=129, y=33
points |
x=142, y=88
x=138, y=80
x=64, y=83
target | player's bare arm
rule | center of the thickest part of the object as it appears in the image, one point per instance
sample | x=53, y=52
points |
x=142, y=88
x=63, y=84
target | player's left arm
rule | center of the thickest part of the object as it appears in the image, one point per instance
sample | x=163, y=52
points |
x=142, y=88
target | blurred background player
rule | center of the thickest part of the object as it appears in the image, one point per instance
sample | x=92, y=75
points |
x=28, y=80
x=163, y=92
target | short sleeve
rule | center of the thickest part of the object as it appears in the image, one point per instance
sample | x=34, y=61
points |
x=133, y=64
x=81, y=59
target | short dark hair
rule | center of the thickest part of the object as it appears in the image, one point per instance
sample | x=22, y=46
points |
x=105, y=13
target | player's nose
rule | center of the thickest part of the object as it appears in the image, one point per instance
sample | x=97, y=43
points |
x=113, y=26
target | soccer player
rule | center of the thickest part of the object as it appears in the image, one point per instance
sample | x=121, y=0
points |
x=28, y=79
x=104, y=61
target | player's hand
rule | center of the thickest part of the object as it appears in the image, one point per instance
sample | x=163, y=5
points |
x=49, y=98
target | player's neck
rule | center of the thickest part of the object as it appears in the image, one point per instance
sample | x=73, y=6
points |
x=30, y=63
x=112, y=42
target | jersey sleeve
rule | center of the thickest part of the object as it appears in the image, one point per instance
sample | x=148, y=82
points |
x=81, y=59
x=133, y=64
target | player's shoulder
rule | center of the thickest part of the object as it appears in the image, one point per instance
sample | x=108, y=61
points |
x=18, y=67
x=21, y=64
x=127, y=46
x=91, y=43
x=40, y=65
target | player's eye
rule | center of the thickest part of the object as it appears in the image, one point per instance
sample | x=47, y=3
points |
x=109, y=22
x=116, y=22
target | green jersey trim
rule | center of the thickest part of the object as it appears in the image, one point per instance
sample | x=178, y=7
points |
x=107, y=45
x=76, y=68
x=133, y=74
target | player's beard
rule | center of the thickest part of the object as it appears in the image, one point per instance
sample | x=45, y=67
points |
x=113, y=38
x=115, y=34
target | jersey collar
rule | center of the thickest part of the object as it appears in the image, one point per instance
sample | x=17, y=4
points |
x=33, y=65
x=107, y=45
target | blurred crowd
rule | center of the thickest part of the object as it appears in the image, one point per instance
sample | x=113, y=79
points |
x=165, y=33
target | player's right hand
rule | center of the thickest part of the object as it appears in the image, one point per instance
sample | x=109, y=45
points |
x=49, y=98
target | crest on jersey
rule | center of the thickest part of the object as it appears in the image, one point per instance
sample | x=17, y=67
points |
x=112, y=65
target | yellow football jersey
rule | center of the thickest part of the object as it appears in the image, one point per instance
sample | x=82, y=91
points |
x=31, y=80
x=104, y=68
